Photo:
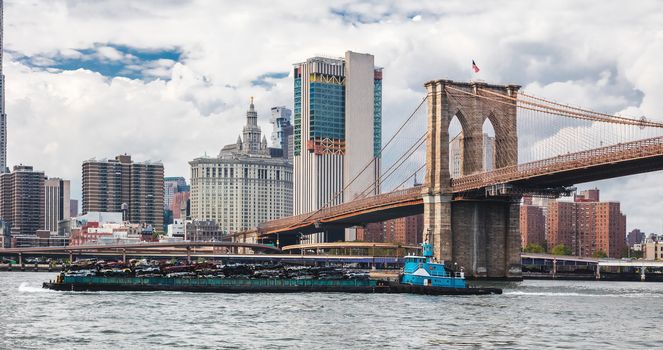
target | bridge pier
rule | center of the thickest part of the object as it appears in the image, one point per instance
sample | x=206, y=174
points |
x=485, y=238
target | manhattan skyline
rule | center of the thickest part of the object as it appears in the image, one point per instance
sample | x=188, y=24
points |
x=170, y=81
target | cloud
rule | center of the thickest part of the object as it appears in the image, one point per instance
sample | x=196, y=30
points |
x=267, y=80
x=170, y=80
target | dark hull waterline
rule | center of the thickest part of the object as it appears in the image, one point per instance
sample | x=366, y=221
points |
x=380, y=288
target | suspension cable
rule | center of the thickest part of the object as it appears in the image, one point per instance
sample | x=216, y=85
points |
x=337, y=194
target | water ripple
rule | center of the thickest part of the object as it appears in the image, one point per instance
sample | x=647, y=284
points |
x=529, y=315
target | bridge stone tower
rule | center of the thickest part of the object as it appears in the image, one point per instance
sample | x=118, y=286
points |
x=480, y=234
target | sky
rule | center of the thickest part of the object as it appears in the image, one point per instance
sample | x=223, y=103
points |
x=170, y=80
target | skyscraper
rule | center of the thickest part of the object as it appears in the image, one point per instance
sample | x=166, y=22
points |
x=56, y=203
x=22, y=200
x=171, y=186
x=457, y=154
x=3, y=115
x=110, y=184
x=337, y=130
x=282, y=132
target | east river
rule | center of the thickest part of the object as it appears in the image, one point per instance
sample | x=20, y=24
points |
x=529, y=315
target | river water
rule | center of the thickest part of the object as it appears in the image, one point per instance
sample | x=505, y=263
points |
x=529, y=315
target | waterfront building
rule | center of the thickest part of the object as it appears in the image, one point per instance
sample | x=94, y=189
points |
x=73, y=208
x=171, y=186
x=587, y=226
x=95, y=233
x=635, y=237
x=5, y=234
x=56, y=203
x=591, y=195
x=120, y=184
x=337, y=130
x=406, y=230
x=652, y=249
x=22, y=200
x=282, y=137
x=204, y=231
x=180, y=205
x=244, y=185
x=176, y=229
x=3, y=114
x=532, y=225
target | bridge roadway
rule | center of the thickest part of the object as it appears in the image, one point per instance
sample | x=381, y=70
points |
x=566, y=170
x=368, y=246
x=547, y=259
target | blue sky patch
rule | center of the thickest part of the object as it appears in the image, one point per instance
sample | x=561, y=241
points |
x=110, y=60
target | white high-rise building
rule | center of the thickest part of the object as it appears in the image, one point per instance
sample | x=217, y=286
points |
x=488, y=152
x=457, y=156
x=56, y=202
x=282, y=131
x=337, y=130
x=244, y=185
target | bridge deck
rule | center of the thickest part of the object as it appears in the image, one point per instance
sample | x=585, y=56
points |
x=566, y=170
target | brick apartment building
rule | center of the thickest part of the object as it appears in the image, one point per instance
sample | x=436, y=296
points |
x=108, y=184
x=407, y=230
x=587, y=225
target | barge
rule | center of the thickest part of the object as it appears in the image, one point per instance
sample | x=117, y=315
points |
x=245, y=285
x=420, y=275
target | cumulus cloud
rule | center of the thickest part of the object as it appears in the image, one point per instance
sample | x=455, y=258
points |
x=173, y=107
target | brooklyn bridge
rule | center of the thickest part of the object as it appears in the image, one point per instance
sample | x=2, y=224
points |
x=541, y=148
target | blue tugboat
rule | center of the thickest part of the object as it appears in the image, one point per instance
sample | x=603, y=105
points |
x=424, y=271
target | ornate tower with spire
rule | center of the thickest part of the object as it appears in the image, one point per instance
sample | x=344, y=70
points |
x=251, y=132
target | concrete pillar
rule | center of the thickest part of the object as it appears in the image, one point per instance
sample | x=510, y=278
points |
x=598, y=271
x=124, y=255
x=643, y=272
x=469, y=237
x=20, y=259
x=437, y=225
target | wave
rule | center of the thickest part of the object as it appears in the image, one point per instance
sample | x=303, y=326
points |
x=25, y=287
x=575, y=294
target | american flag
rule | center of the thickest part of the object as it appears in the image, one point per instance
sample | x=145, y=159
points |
x=475, y=68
